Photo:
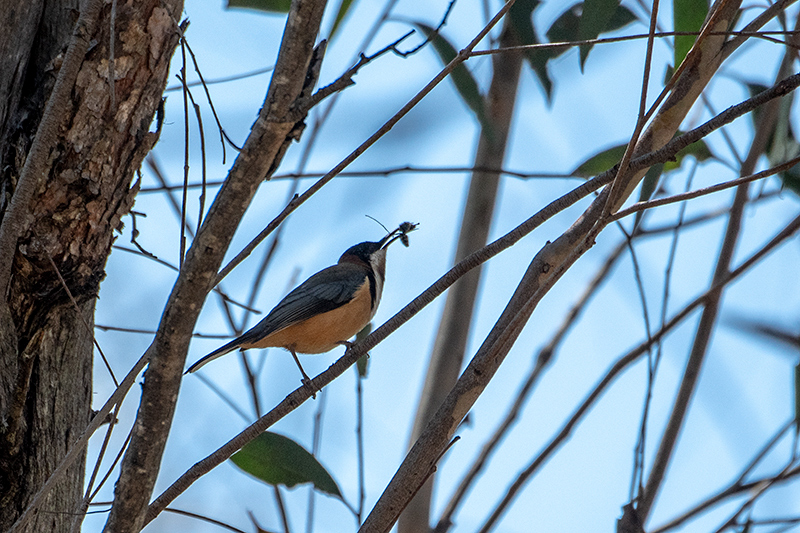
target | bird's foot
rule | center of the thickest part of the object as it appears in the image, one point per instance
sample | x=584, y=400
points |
x=306, y=381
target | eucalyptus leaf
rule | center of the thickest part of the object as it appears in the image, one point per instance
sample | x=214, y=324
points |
x=278, y=460
x=268, y=6
x=565, y=29
x=600, y=162
x=605, y=159
x=687, y=16
x=465, y=83
x=595, y=17
x=521, y=17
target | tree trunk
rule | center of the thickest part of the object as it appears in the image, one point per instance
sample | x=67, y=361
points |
x=45, y=341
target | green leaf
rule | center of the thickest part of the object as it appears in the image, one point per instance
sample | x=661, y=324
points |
x=270, y=6
x=600, y=162
x=782, y=144
x=609, y=157
x=791, y=179
x=621, y=18
x=699, y=150
x=566, y=27
x=521, y=18
x=596, y=16
x=465, y=84
x=344, y=9
x=687, y=15
x=563, y=30
x=278, y=460
x=361, y=364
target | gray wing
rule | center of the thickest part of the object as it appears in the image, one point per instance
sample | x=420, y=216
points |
x=324, y=291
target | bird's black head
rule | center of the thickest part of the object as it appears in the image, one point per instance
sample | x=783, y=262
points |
x=361, y=252
x=366, y=251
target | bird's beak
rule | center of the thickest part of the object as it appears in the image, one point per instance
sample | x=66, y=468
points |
x=400, y=233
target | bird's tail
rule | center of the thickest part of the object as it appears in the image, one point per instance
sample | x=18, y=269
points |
x=219, y=352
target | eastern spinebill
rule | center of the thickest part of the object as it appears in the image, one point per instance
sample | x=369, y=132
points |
x=327, y=309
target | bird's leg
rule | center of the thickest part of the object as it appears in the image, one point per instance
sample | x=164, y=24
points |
x=306, y=380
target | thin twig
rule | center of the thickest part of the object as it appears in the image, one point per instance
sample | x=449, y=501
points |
x=623, y=363
x=301, y=108
x=384, y=172
x=637, y=477
x=202, y=200
x=83, y=506
x=222, y=294
x=103, y=327
x=607, y=40
x=112, y=467
x=281, y=509
x=641, y=206
x=205, y=519
x=362, y=485
x=182, y=78
x=85, y=322
x=737, y=487
x=433, y=34
x=155, y=167
x=224, y=79
x=316, y=443
x=224, y=397
x=222, y=134
x=618, y=185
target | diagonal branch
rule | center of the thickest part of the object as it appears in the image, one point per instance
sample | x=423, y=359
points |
x=624, y=362
x=260, y=154
x=708, y=318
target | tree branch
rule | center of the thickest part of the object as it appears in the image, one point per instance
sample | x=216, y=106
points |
x=708, y=318
x=624, y=362
x=260, y=154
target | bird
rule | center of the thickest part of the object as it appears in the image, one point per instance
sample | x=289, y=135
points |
x=327, y=309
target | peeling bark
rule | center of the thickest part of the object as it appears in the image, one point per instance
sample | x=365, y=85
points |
x=78, y=204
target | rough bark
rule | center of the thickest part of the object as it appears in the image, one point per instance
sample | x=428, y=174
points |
x=45, y=342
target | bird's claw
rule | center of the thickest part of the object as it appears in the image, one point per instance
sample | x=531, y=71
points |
x=306, y=381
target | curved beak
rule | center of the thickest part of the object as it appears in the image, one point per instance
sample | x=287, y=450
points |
x=401, y=233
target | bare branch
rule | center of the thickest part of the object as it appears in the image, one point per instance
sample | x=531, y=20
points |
x=708, y=318
x=623, y=363
x=641, y=206
x=261, y=152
